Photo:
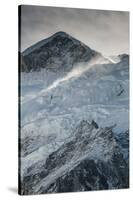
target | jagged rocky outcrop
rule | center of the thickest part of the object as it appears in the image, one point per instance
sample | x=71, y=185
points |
x=89, y=160
x=58, y=52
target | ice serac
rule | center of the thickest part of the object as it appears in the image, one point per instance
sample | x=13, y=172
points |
x=58, y=52
x=89, y=160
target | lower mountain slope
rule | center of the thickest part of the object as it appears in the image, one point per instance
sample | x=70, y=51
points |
x=89, y=160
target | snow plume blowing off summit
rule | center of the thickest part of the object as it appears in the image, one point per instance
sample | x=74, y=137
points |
x=75, y=72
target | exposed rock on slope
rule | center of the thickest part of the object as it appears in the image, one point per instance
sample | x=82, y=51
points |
x=89, y=160
x=58, y=52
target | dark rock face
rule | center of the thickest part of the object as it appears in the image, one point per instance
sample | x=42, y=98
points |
x=124, y=60
x=91, y=175
x=124, y=57
x=59, y=52
x=90, y=160
x=123, y=142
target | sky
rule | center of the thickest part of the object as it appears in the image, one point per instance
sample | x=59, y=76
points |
x=102, y=30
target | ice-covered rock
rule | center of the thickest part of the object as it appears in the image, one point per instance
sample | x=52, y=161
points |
x=89, y=160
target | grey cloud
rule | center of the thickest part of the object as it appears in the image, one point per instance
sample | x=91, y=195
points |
x=105, y=31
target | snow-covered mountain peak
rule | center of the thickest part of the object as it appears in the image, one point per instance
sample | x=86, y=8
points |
x=70, y=99
x=61, y=33
x=56, y=53
x=43, y=42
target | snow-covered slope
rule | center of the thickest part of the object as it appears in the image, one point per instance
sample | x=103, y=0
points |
x=89, y=160
x=54, y=106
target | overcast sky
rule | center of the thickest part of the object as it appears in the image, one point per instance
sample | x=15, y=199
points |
x=104, y=31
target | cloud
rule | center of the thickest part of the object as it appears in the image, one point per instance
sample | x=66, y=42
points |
x=104, y=31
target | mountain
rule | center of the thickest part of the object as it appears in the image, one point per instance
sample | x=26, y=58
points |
x=69, y=105
x=89, y=160
x=58, y=52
